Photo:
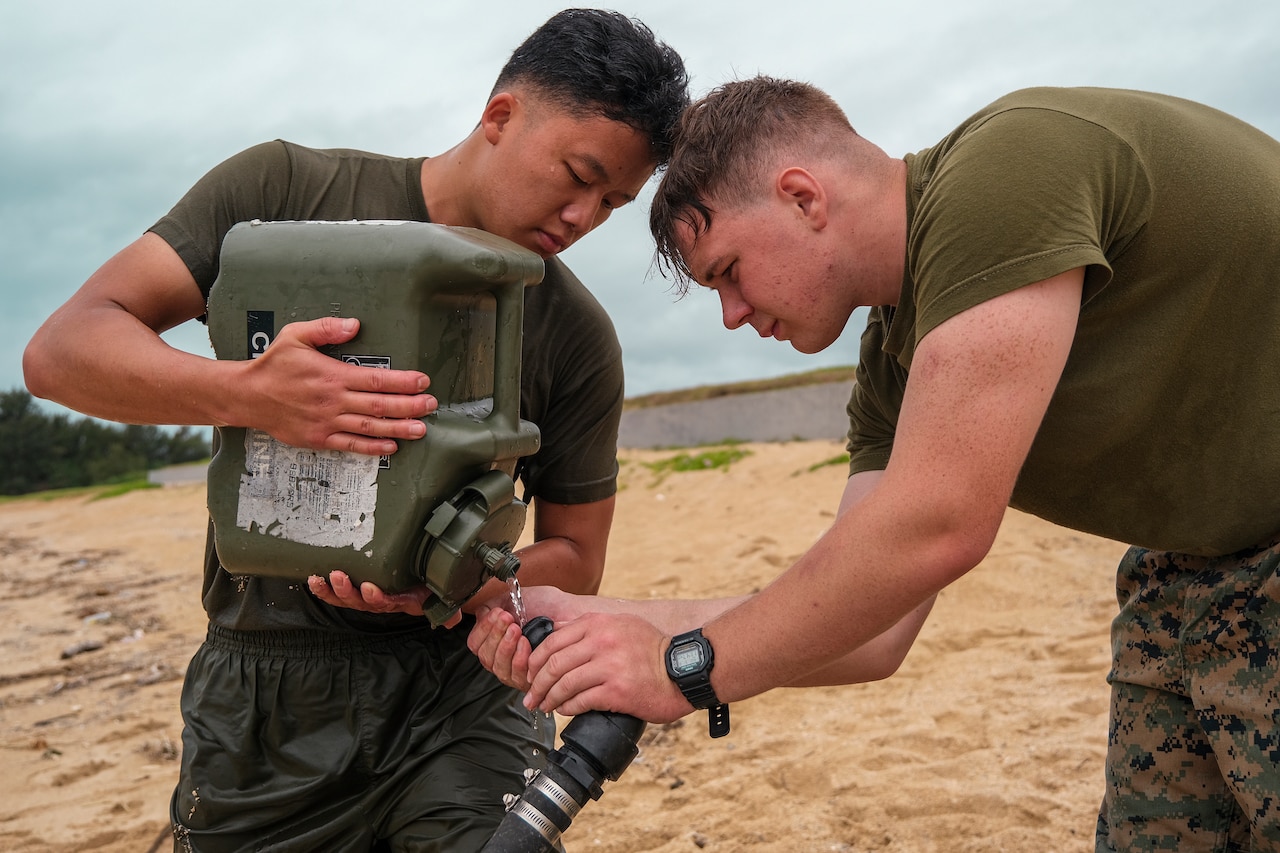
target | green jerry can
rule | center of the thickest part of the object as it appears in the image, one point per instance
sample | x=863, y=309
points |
x=442, y=510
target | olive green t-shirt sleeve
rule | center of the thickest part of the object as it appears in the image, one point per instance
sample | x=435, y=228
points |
x=1023, y=196
x=1017, y=198
x=578, y=460
x=277, y=181
x=253, y=184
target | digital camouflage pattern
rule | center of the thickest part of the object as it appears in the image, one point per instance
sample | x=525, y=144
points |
x=1194, y=746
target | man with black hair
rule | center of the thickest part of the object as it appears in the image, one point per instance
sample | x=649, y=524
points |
x=310, y=725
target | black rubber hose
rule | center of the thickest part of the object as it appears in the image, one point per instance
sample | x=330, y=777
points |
x=597, y=745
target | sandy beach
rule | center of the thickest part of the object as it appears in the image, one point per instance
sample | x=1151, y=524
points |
x=990, y=738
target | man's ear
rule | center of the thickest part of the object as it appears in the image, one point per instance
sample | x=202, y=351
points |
x=497, y=114
x=799, y=187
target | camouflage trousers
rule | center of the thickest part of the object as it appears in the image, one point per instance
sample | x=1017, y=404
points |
x=1193, y=758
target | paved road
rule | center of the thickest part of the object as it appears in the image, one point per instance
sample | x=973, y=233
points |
x=804, y=412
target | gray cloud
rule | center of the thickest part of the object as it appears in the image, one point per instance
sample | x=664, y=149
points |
x=108, y=112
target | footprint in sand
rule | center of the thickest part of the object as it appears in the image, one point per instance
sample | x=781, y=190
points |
x=83, y=771
x=756, y=545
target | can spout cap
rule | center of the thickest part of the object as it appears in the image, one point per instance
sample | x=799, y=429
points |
x=467, y=540
x=499, y=562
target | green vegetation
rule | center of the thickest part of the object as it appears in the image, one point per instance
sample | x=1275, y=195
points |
x=41, y=451
x=92, y=493
x=706, y=460
x=124, y=488
x=839, y=459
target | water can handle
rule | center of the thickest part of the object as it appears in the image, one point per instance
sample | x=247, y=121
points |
x=508, y=334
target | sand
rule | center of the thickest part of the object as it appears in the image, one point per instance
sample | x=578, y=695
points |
x=990, y=738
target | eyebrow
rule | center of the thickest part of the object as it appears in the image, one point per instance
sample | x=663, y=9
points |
x=597, y=168
x=714, y=264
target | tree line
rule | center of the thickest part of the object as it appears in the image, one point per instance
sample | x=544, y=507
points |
x=41, y=450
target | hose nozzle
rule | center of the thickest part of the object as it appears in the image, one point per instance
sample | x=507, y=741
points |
x=597, y=745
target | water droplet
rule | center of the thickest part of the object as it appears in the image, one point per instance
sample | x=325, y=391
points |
x=517, y=600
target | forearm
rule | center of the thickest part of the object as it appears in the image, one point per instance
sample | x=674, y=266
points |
x=871, y=572
x=554, y=562
x=880, y=656
x=101, y=352
x=72, y=361
x=568, y=551
x=874, y=660
x=294, y=391
x=563, y=563
x=672, y=616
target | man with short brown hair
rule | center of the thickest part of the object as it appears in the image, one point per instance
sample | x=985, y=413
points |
x=1074, y=312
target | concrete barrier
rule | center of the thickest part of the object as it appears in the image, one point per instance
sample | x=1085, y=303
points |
x=803, y=412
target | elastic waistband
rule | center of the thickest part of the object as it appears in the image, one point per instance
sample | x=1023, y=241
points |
x=301, y=643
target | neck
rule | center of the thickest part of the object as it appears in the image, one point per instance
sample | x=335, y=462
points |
x=446, y=185
x=894, y=225
x=874, y=233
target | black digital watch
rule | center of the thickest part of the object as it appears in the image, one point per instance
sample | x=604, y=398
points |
x=690, y=660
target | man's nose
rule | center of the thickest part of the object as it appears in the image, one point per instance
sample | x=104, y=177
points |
x=733, y=310
x=584, y=214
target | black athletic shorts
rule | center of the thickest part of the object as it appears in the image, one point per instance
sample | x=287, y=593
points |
x=308, y=741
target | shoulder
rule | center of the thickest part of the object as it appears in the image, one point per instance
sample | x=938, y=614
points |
x=298, y=152
x=302, y=160
x=566, y=302
x=252, y=167
x=280, y=156
x=273, y=154
x=1063, y=118
x=1034, y=140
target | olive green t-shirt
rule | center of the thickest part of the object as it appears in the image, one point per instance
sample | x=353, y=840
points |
x=571, y=383
x=1163, y=431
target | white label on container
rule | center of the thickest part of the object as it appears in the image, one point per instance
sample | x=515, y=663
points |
x=324, y=498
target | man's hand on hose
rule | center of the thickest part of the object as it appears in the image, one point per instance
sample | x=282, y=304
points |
x=608, y=662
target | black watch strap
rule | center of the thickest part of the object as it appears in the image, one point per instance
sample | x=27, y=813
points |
x=718, y=719
x=695, y=683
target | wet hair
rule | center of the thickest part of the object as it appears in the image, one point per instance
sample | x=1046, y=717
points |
x=724, y=148
x=596, y=62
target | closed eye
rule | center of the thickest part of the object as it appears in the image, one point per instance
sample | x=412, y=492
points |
x=612, y=201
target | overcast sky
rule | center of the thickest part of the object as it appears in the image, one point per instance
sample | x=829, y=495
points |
x=109, y=111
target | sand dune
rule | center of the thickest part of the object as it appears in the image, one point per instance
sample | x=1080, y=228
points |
x=990, y=738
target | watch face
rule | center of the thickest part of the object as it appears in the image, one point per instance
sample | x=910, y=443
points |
x=687, y=657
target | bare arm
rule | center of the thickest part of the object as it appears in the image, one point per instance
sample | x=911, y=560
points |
x=498, y=645
x=979, y=387
x=881, y=656
x=101, y=353
x=569, y=547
